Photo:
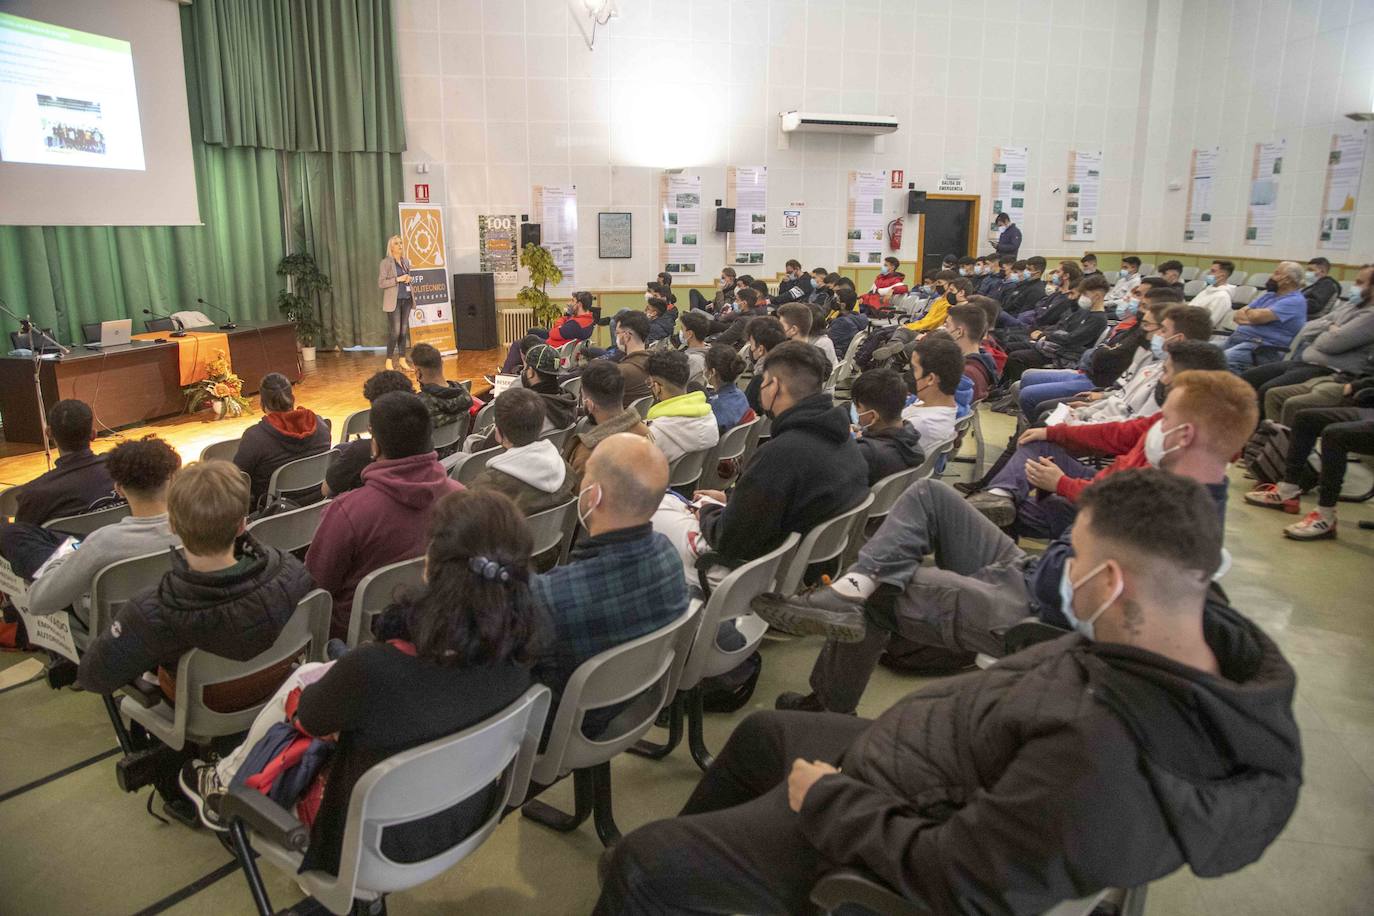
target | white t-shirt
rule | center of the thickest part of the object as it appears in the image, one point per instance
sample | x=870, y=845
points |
x=1217, y=301
x=935, y=424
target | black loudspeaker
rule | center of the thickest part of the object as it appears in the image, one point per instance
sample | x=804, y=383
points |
x=725, y=219
x=915, y=201
x=529, y=234
x=474, y=311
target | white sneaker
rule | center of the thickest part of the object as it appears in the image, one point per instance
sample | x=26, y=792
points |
x=1311, y=528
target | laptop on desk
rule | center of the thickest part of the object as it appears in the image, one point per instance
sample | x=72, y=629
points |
x=113, y=333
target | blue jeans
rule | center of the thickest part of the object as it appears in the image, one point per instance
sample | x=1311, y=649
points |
x=1040, y=385
x=1243, y=353
x=1051, y=514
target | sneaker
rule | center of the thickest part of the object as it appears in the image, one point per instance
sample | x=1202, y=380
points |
x=968, y=487
x=819, y=612
x=798, y=702
x=1267, y=495
x=1311, y=528
x=998, y=509
x=200, y=783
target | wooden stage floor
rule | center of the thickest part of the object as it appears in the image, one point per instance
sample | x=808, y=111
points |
x=332, y=387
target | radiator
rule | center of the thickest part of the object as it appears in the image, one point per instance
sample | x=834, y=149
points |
x=515, y=324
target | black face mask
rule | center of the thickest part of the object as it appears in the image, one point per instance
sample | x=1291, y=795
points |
x=951, y=298
x=1271, y=285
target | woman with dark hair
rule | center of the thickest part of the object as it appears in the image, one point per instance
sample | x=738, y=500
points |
x=728, y=403
x=286, y=432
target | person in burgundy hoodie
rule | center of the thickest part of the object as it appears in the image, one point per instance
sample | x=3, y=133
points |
x=286, y=433
x=386, y=519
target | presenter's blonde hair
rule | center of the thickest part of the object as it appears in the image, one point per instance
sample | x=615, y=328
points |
x=394, y=240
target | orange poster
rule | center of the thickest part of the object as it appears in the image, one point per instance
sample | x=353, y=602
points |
x=422, y=235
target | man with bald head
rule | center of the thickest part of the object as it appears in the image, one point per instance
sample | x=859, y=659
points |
x=1266, y=327
x=622, y=582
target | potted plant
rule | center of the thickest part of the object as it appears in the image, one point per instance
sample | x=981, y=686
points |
x=543, y=271
x=299, y=302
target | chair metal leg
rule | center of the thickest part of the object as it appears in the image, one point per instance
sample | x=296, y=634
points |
x=979, y=451
x=546, y=814
x=244, y=852
x=126, y=743
x=606, y=830
x=654, y=751
x=696, y=740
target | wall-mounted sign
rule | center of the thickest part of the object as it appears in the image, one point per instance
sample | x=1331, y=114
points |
x=898, y=177
x=952, y=184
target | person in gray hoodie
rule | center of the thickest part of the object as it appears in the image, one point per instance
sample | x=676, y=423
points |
x=530, y=471
x=889, y=444
x=141, y=470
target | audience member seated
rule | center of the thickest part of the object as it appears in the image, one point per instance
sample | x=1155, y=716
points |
x=530, y=472
x=696, y=327
x=680, y=421
x=453, y=652
x=990, y=283
x=795, y=286
x=725, y=293
x=761, y=336
x=448, y=402
x=623, y=581
x=1209, y=415
x=1127, y=279
x=1061, y=344
x=141, y=470
x=1319, y=288
x=578, y=323
x=1057, y=301
x=228, y=595
x=937, y=365
x=662, y=319
x=631, y=335
x=733, y=327
x=956, y=292
x=78, y=481
x=385, y=520
x=728, y=403
x=808, y=471
x=1019, y=781
x=1340, y=343
x=1215, y=297
x=603, y=400
x=1028, y=290
x=345, y=472
x=285, y=433
x=1171, y=272
x=888, y=443
x=847, y=323
x=966, y=325
x=889, y=282
x=988, y=344
x=1266, y=327
x=797, y=321
x=1089, y=264
x=540, y=375
x=824, y=283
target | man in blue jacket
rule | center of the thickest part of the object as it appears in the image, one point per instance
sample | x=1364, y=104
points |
x=1009, y=237
x=1266, y=327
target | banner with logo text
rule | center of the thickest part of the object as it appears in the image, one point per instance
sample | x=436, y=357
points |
x=422, y=239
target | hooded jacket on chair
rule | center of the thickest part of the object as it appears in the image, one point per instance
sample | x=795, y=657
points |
x=534, y=476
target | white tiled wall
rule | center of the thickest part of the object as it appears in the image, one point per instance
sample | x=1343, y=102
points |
x=1250, y=72
x=501, y=95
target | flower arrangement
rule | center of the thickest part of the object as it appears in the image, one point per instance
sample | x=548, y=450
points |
x=221, y=390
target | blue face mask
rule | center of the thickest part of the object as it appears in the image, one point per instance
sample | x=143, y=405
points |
x=1130, y=308
x=1210, y=279
x=1054, y=278
x=1123, y=273
x=1308, y=278
x=1066, y=590
x=1157, y=346
x=884, y=270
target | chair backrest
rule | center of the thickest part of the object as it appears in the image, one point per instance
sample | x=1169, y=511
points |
x=423, y=781
x=823, y=542
x=159, y=324
x=730, y=601
x=854, y=345
x=559, y=437
x=83, y=524
x=849, y=890
x=886, y=491
x=937, y=451
x=356, y=424
x=646, y=670
x=1188, y=273
x=687, y=469
x=554, y=528
x=301, y=474
x=733, y=444
x=1147, y=269
x=572, y=386
x=449, y=434
x=1192, y=288
x=90, y=330
x=1237, y=278
x=9, y=503
x=307, y=628
x=467, y=465
x=220, y=451
x=1243, y=295
x=289, y=531
x=118, y=582
x=485, y=419
x=642, y=405
x=375, y=591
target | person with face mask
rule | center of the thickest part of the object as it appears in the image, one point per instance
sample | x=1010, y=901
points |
x=728, y=403
x=887, y=442
x=1008, y=235
x=602, y=403
x=760, y=337
x=725, y=293
x=1127, y=279
x=631, y=337
x=1027, y=291
x=1319, y=288
x=796, y=284
x=937, y=368
x=1215, y=296
x=982, y=582
x=621, y=582
x=889, y=282
x=1266, y=327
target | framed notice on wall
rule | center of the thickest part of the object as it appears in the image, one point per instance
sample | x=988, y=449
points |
x=613, y=235
x=1197, y=224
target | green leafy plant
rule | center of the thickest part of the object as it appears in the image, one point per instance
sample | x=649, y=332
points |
x=300, y=302
x=543, y=271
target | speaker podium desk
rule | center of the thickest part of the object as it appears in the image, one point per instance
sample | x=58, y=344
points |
x=134, y=383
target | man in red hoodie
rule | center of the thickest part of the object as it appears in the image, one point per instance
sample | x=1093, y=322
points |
x=386, y=519
x=889, y=282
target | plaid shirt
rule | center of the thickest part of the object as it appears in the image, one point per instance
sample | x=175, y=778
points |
x=618, y=586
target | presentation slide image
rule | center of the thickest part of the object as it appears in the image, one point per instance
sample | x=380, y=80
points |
x=67, y=97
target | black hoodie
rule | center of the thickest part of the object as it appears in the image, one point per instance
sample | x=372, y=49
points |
x=809, y=471
x=888, y=451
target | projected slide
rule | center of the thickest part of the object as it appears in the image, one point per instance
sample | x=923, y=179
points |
x=67, y=97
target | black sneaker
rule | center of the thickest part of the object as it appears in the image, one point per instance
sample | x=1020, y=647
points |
x=968, y=487
x=820, y=612
x=200, y=783
x=996, y=508
x=798, y=702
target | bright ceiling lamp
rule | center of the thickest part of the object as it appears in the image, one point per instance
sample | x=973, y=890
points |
x=596, y=12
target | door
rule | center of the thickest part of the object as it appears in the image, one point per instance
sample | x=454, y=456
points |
x=946, y=230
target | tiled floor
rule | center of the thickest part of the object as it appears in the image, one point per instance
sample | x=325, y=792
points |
x=79, y=845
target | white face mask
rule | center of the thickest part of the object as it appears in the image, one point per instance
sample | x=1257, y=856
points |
x=1085, y=303
x=583, y=516
x=1066, y=589
x=1155, y=449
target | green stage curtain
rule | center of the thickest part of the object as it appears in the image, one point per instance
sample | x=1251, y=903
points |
x=300, y=75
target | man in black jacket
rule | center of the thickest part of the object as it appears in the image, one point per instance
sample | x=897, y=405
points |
x=1160, y=734
x=732, y=328
x=1319, y=288
x=796, y=286
x=889, y=444
x=78, y=481
x=809, y=471
x=1009, y=235
x=1027, y=292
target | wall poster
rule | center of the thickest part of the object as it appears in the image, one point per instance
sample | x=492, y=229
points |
x=1082, y=194
x=866, y=226
x=1202, y=171
x=422, y=241
x=1262, y=213
x=680, y=244
x=555, y=208
x=1344, y=165
x=1009, y=169
x=498, y=247
x=746, y=189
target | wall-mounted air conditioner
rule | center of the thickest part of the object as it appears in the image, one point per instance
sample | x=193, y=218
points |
x=813, y=122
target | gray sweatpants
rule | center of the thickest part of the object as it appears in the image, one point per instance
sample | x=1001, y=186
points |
x=975, y=590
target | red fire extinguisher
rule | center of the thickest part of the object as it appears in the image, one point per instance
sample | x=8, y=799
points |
x=894, y=234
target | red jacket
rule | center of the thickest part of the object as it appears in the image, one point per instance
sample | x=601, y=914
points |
x=896, y=280
x=994, y=349
x=574, y=327
x=1126, y=440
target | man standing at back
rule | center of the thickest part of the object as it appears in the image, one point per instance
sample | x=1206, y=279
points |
x=1008, y=235
x=387, y=518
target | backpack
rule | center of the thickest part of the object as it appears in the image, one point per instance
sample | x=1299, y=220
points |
x=729, y=691
x=1266, y=454
x=877, y=338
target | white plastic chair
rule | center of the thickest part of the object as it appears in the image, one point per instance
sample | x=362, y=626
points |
x=449, y=434
x=1192, y=288
x=733, y=444
x=642, y=405
x=289, y=531
x=81, y=525
x=189, y=720
x=572, y=386
x=687, y=469
x=356, y=425
x=824, y=542
x=484, y=421
x=1243, y=295
x=465, y=466
x=559, y=437
x=375, y=591
x=301, y=474
x=643, y=673
x=1187, y=274
x=221, y=451
x=849, y=890
x=554, y=528
x=403, y=788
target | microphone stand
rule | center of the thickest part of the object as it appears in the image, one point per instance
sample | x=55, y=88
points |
x=228, y=325
x=27, y=325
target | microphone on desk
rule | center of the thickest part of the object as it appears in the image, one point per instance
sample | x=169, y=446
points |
x=228, y=325
x=179, y=328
